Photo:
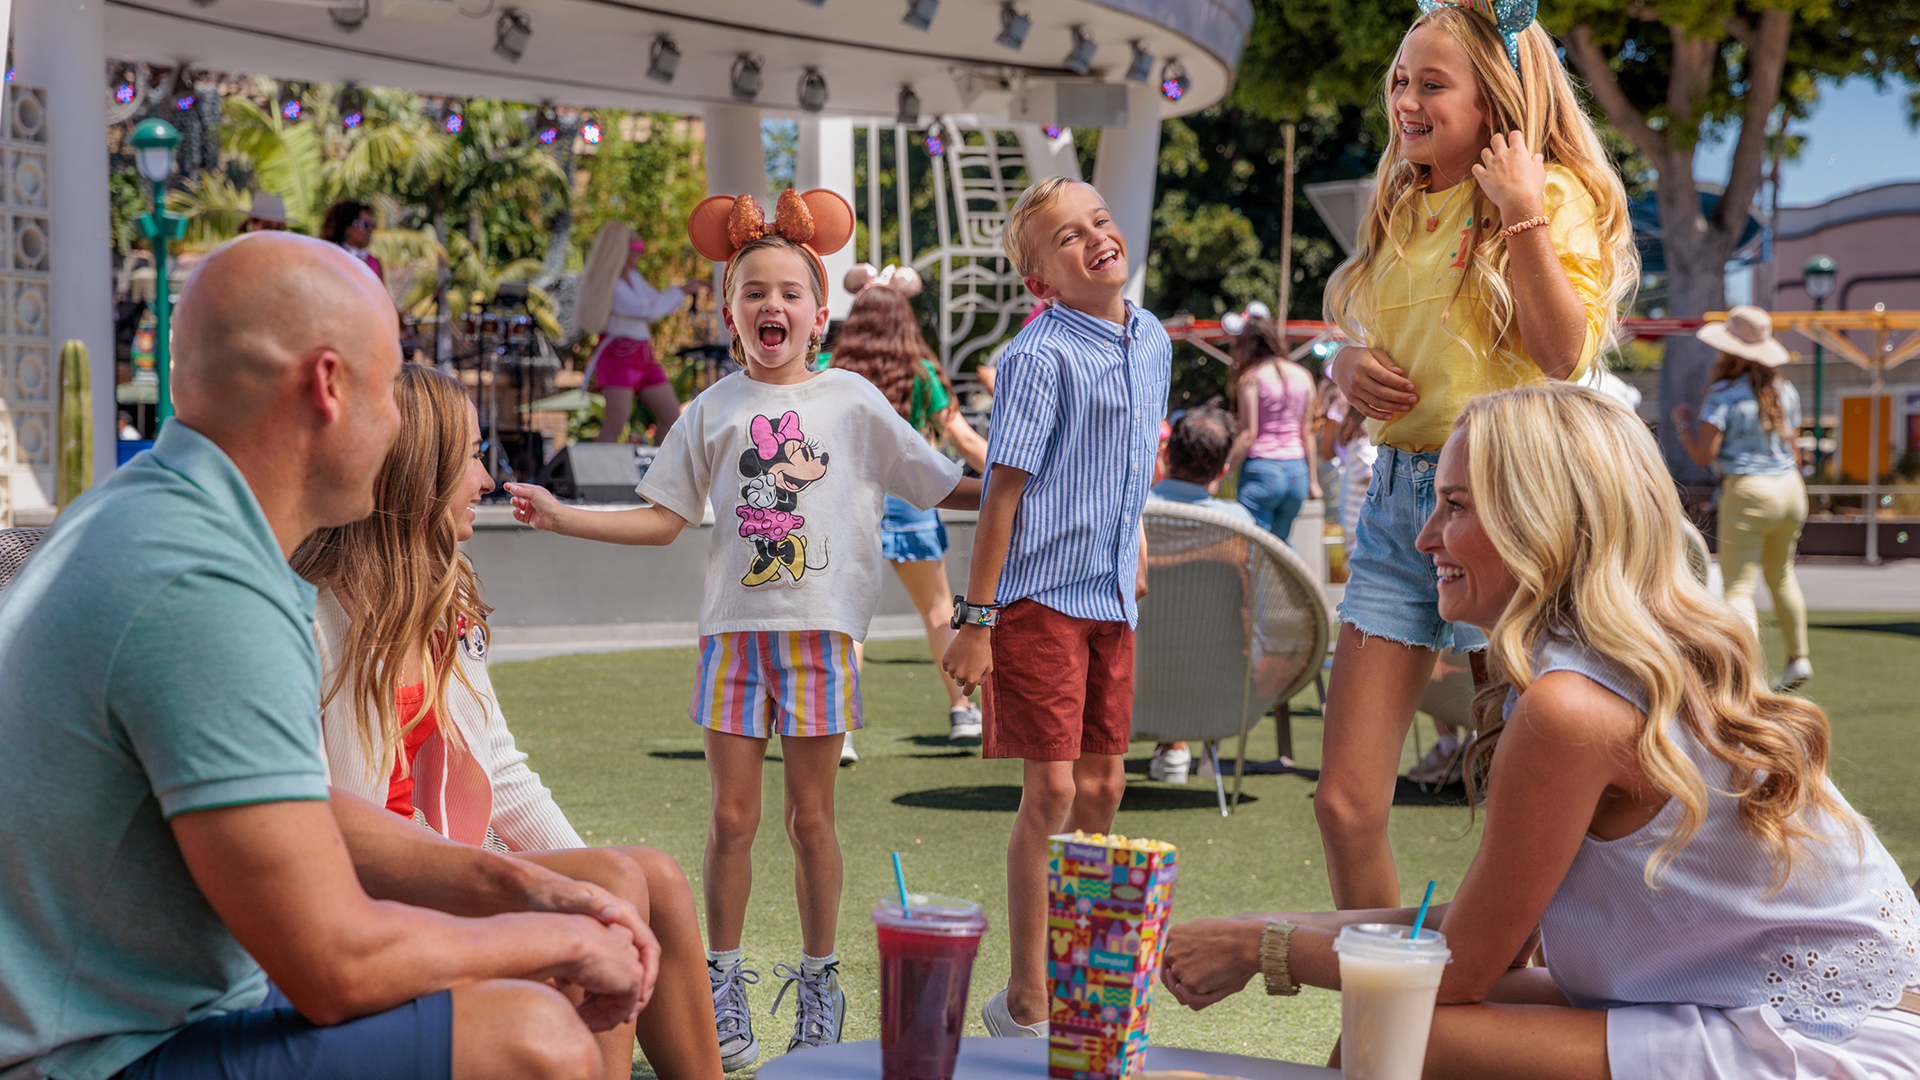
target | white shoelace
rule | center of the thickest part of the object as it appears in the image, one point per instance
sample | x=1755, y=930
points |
x=730, y=1011
x=812, y=1027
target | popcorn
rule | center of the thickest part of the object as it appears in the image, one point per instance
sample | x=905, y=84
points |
x=1108, y=901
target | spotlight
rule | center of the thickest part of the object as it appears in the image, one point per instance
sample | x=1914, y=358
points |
x=920, y=13
x=590, y=132
x=454, y=119
x=812, y=90
x=746, y=76
x=1142, y=67
x=1052, y=131
x=663, y=59
x=935, y=146
x=909, y=111
x=510, y=34
x=1080, y=58
x=1013, y=27
x=353, y=106
x=1174, y=81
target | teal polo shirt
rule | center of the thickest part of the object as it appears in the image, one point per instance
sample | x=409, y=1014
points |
x=156, y=658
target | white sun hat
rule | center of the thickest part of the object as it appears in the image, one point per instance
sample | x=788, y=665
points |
x=1748, y=332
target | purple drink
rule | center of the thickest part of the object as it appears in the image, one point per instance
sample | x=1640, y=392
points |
x=926, y=962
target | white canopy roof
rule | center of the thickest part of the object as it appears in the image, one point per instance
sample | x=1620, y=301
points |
x=595, y=52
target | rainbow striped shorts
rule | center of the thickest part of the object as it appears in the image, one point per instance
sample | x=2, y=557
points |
x=761, y=683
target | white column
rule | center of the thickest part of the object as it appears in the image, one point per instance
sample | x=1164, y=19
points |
x=736, y=158
x=1048, y=157
x=60, y=45
x=1125, y=172
x=825, y=160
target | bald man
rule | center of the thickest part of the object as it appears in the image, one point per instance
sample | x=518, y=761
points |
x=168, y=843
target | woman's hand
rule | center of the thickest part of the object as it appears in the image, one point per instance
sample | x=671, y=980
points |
x=1210, y=959
x=1682, y=416
x=1313, y=489
x=534, y=505
x=1373, y=383
x=1513, y=177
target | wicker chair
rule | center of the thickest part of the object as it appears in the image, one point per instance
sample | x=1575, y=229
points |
x=15, y=546
x=1232, y=623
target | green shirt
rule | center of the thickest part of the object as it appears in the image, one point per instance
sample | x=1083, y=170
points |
x=929, y=396
x=156, y=658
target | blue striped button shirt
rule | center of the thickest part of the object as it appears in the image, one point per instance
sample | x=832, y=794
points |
x=1078, y=404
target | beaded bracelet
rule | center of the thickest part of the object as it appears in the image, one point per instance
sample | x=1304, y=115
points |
x=1523, y=226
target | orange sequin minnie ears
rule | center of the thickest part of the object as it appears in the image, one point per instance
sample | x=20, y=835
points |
x=820, y=221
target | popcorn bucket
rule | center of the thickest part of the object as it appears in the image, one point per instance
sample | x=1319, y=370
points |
x=1108, y=898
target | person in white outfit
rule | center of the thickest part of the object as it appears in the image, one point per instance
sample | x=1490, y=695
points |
x=621, y=305
x=410, y=721
x=1660, y=829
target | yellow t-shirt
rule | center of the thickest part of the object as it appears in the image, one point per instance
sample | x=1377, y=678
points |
x=1451, y=362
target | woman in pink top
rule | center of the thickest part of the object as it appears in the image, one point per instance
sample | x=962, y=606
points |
x=1274, y=450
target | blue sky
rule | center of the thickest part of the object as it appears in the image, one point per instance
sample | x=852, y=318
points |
x=1857, y=137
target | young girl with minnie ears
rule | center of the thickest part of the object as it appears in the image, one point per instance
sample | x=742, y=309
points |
x=1495, y=252
x=798, y=464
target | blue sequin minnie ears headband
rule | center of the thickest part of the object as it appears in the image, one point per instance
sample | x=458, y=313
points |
x=1510, y=17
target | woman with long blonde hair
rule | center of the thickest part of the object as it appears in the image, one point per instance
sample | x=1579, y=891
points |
x=1495, y=252
x=1659, y=823
x=409, y=719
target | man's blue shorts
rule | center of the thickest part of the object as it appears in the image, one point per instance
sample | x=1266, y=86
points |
x=274, y=1042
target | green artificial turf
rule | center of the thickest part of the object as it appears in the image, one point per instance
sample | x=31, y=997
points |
x=609, y=733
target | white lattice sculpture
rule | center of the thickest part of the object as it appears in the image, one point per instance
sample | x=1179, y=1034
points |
x=28, y=386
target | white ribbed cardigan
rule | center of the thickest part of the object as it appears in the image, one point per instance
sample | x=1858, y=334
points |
x=461, y=792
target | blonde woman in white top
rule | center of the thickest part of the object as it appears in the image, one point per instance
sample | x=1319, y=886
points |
x=410, y=720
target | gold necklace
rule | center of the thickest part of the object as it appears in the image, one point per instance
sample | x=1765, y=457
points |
x=1433, y=216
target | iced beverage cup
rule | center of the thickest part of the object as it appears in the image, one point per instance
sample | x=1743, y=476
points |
x=926, y=961
x=1388, y=983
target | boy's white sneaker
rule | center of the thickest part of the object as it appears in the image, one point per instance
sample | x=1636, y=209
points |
x=822, y=1007
x=732, y=1017
x=1001, y=1024
x=1170, y=766
x=1799, y=671
x=963, y=723
x=848, y=755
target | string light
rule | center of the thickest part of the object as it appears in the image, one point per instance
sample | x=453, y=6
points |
x=1052, y=131
x=353, y=119
x=590, y=132
x=291, y=110
x=453, y=121
x=184, y=103
x=123, y=93
x=935, y=146
x=1173, y=81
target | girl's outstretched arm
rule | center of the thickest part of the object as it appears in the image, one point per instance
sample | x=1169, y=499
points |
x=964, y=496
x=649, y=525
x=1551, y=315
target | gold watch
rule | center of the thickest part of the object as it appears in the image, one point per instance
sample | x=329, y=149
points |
x=1276, y=959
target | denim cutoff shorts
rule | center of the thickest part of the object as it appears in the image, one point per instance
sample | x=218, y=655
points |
x=909, y=535
x=1391, y=588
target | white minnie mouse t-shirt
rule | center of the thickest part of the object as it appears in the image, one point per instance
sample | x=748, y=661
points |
x=799, y=476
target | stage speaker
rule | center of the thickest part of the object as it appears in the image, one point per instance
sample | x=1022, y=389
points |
x=595, y=472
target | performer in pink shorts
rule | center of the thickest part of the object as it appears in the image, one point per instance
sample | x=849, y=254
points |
x=623, y=305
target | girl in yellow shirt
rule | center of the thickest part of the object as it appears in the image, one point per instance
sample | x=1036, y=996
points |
x=1495, y=252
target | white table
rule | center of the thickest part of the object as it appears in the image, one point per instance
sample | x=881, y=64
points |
x=1020, y=1059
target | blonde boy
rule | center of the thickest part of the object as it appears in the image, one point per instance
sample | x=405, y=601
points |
x=1046, y=626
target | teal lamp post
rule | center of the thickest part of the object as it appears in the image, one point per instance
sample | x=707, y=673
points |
x=1817, y=279
x=153, y=145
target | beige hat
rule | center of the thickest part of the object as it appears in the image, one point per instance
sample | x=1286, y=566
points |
x=268, y=207
x=1748, y=332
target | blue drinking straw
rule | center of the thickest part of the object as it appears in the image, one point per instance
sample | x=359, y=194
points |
x=906, y=906
x=1418, y=920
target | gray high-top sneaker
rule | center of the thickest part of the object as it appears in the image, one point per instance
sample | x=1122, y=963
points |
x=822, y=1008
x=732, y=1017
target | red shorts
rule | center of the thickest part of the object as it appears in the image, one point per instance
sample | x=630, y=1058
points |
x=624, y=363
x=1060, y=686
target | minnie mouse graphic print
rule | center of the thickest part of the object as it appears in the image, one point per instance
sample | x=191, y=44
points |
x=798, y=476
x=779, y=465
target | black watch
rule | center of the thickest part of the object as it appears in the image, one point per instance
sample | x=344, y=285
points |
x=983, y=615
